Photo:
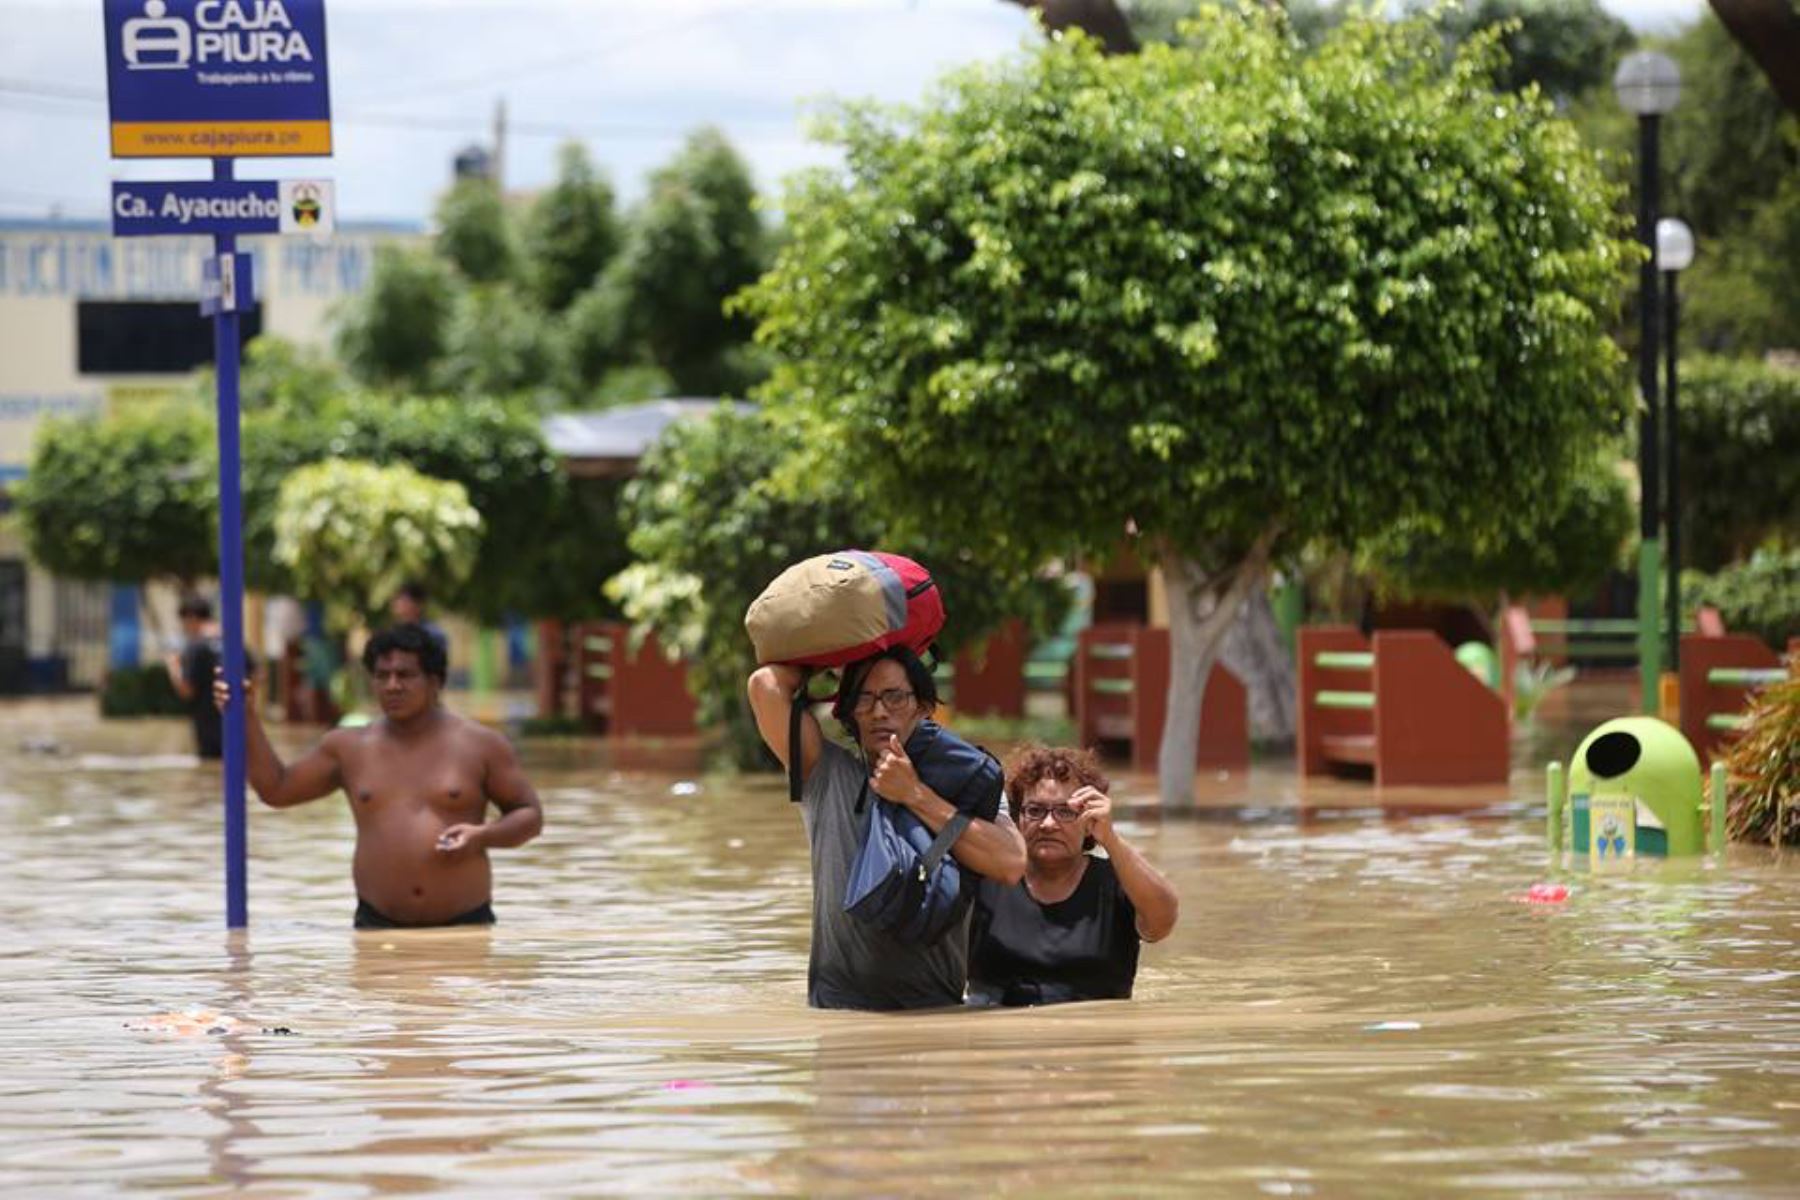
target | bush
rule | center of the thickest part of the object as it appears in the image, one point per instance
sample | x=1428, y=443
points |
x=140, y=692
x=1764, y=766
x=1740, y=436
x=1761, y=596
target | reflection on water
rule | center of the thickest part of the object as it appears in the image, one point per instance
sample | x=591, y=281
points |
x=1353, y=1003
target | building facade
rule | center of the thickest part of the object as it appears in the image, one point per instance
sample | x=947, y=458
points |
x=90, y=323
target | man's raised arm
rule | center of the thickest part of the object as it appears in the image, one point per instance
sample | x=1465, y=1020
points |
x=771, y=689
x=278, y=785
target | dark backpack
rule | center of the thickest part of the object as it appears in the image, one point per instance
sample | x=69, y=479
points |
x=903, y=879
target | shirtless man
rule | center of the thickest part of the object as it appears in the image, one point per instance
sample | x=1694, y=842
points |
x=419, y=781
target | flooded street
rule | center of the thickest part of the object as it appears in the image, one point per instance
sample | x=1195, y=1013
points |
x=1353, y=1004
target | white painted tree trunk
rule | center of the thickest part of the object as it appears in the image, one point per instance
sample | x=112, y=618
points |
x=1200, y=615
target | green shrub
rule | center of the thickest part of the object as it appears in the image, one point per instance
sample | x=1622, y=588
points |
x=1764, y=766
x=1740, y=436
x=1761, y=596
x=140, y=692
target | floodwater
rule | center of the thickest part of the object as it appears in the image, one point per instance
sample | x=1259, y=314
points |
x=1353, y=1004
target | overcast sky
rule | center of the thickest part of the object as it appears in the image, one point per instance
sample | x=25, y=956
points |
x=413, y=81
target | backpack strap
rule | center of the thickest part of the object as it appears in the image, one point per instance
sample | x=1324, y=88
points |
x=796, y=710
x=940, y=845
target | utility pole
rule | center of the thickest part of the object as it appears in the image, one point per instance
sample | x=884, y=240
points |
x=500, y=145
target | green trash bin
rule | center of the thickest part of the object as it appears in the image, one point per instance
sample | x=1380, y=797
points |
x=1634, y=789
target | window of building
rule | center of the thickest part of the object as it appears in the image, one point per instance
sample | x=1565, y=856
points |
x=138, y=337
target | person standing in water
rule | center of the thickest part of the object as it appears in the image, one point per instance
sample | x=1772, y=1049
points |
x=853, y=964
x=192, y=667
x=1071, y=929
x=419, y=781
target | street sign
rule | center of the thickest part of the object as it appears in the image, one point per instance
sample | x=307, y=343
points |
x=227, y=285
x=217, y=78
x=245, y=206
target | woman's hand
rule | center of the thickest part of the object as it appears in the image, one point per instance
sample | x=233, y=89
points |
x=1095, y=807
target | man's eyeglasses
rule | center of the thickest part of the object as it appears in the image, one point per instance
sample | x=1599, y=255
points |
x=1035, y=813
x=892, y=699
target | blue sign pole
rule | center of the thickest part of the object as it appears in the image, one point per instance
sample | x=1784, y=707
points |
x=231, y=587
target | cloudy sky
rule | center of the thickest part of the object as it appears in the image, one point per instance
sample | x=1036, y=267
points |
x=413, y=81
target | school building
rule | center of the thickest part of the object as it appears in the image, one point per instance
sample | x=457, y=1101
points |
x=90, y=323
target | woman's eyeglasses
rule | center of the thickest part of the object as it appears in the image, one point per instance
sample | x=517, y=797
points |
x=1034, y=813
x=892, y=699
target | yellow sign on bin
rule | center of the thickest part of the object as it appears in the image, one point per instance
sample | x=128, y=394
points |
x=1612, y=828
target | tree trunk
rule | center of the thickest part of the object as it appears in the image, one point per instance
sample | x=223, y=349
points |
x=1254, y=651
x=1769, y=32
x=1202, y=609
x=1101, y=18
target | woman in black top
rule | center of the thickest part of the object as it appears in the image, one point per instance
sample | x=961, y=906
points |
x=1070, y=930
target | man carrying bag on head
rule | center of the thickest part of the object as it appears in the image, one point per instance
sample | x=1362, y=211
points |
x=896, y=935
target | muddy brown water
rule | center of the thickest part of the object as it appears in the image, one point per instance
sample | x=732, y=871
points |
x=1352, y=1004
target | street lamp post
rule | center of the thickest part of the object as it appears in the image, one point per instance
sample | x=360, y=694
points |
x=1674, y=253
x=1648, y=84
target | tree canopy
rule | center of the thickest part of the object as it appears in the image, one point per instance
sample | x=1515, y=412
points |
x=125, y=498
x=1228, y=293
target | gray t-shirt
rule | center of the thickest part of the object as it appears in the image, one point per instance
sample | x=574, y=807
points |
x=854, y=964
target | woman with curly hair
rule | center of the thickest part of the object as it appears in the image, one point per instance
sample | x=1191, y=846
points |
x=1070, y=930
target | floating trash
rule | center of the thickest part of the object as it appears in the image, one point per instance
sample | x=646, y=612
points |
x=1542, y=893
x=686, y=787
x=1393, y=1027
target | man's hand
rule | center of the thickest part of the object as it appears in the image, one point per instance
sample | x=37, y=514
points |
x=222, y=691
x=460, y=841
x=1095, y=807
x=895, y=778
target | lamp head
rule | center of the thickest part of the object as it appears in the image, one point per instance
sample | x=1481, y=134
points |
x=1674, y=245
x=1647, y=83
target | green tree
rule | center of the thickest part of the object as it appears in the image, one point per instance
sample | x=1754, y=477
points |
x=277, y=373
x=1233, y=294
x=1739, y=425
x=499, y=344
x=536, y=552
x=1730, y=143
x=124, y=498
x=571, y=232
x=394, y=332
x=1565, y=47
x=1567, y=548
x=710, y=528
x=352, y=533
x=695, y=241
x=474, y=232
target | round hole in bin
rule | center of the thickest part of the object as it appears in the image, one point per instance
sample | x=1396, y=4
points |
x=1613, y=754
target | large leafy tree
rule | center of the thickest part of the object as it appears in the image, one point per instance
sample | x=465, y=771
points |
x=1232, y=295
x=711, y=525
x=125, y=498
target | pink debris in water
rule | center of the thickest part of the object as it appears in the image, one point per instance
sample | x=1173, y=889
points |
x=685, y=1085
x=1543, y=893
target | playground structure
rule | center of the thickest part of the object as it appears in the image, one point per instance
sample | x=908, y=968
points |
x=626, y=689
x=1120, y=686
x=1633, y=790
x=1399, y=703
x=990, y=681
x=1718, y=675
